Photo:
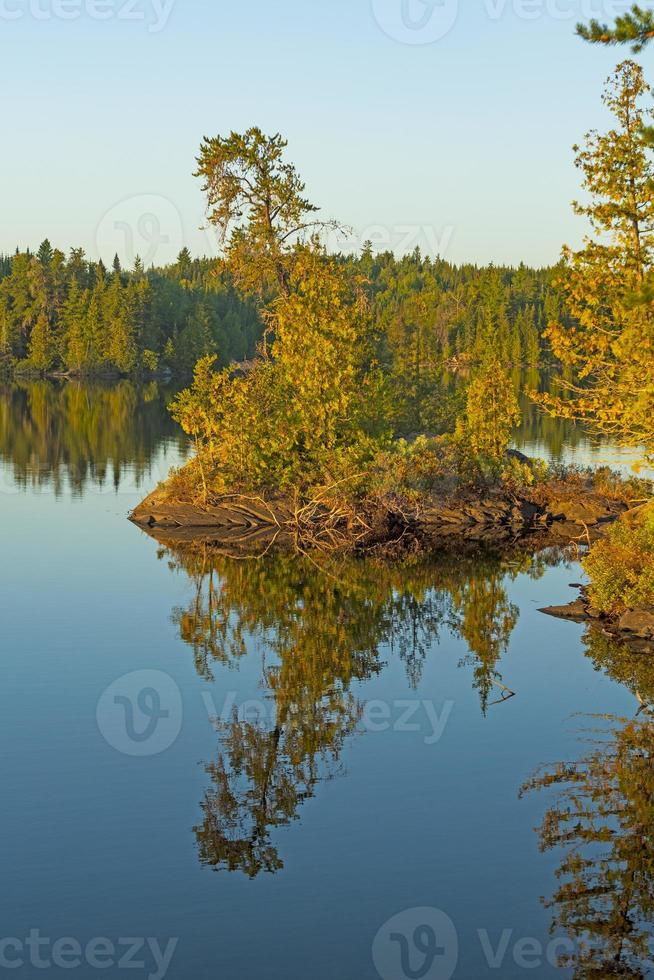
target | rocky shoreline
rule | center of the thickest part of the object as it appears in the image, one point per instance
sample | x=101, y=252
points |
x=559, y=515
x=635, y=627
x=563, y=517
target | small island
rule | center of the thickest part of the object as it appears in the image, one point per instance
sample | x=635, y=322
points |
x=306, y=444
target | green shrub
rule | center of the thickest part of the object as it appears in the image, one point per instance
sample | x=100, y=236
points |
x=621, y=566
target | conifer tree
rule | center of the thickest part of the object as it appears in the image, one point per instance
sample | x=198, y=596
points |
x=74, y=316
x=635, y=27
x=45, y=253
x=608, y=284
x=492, y=409
x=42, y=345
x=256, y=201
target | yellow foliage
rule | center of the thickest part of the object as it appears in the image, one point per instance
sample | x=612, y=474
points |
x=608, y=284
x=299, y=416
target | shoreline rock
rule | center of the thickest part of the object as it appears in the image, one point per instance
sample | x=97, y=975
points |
x=491, y=517
x=635, y=627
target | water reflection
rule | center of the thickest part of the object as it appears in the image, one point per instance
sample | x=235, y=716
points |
x=70, y=435
x=322, y=632
x=562, y=440
x=601, y=821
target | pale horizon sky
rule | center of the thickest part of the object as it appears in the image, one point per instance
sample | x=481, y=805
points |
x=451, y=129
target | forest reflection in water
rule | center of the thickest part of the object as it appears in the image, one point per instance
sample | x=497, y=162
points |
x=71, y=435
x=601, y=824
x=320, y=638
x=322, y=632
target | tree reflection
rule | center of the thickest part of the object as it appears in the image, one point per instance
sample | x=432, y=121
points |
x=322, y=631
x=485, y=619
x=74, y=434
x=264, y=772
x=602, y=819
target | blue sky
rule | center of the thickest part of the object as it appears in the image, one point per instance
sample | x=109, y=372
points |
x=460, y=143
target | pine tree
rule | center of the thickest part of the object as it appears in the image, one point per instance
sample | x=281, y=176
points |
x=74, y=327
x=635, y=28
x=492, y=409
x=608, y=284
x=45, y=253
x=118, y=314
x=42, y=349
x=94, y=332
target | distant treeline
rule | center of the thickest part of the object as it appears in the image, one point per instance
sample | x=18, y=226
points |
x=71, y=315
x=68, y=314
x=435, y=320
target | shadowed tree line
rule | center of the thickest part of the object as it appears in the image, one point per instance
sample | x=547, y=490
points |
x=71, y=315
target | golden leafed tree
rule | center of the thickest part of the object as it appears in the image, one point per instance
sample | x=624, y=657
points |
x=609, y=284
x=492, y=409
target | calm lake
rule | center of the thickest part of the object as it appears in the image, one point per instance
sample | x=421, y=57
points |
x=215, y=768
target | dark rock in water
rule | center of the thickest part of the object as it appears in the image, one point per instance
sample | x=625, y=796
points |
x=516, y=454
x=575, y=611
x=527, y=511
x=589, y=511
x=640, y=622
